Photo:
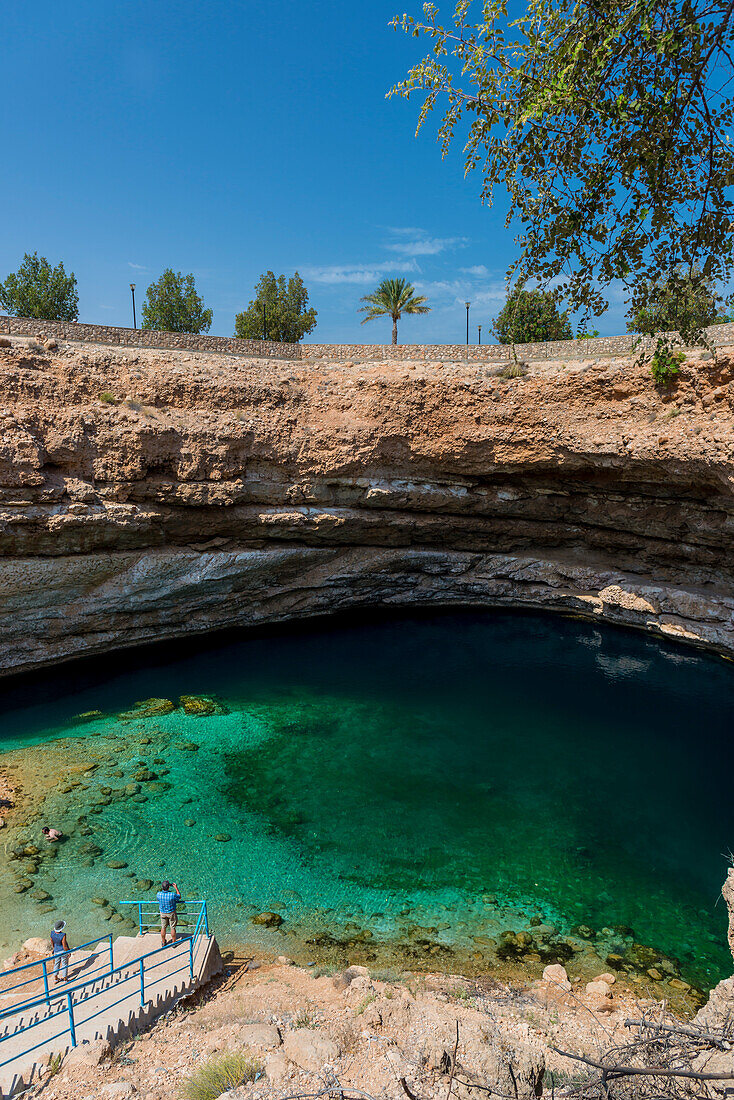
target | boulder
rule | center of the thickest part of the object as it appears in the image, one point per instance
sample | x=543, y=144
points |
x=310, y=1050
x=264, y=1036
x=89, y=1053
x=276, y=1068
x=727, y=892
x=599, y=987
x=358, y=989
x=36, y=945
x=556, y=974
x=516, y=1072
x=427, y=1034
x=117, y=1090
x=353, y=972
x=610, y=979
x=268, y=919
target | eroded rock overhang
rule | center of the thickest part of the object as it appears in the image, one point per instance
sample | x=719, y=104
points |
x=148, y=495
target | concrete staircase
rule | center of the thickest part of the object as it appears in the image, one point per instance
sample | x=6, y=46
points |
x=107, y=1007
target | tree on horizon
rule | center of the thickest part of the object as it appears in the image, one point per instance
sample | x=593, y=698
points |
x=679, y=301
x=172, y=305
x=393, y=298
x=38, y=290
x=532, y=316
x=279, y=311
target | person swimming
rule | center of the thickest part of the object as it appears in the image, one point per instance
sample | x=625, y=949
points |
x=51, y=834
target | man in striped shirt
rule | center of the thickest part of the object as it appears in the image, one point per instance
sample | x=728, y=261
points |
x=168, y=898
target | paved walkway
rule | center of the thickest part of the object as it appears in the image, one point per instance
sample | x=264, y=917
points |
x=107, y=1007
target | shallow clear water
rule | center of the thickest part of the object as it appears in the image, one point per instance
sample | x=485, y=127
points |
x=415, y=785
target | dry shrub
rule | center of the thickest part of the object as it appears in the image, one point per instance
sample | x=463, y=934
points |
x=219, y=1074
x=514, y=370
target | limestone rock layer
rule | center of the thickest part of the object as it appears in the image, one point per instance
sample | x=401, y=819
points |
x=147, y=495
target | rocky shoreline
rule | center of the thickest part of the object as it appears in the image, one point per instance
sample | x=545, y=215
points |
x=8, y=796
x=388, y=1035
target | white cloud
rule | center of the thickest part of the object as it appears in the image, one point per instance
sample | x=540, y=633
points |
x=335, y=274
x=412, y=240
x=478, y=270
x=136, y=267
x=422, y=245
x=451, y=292
x=406, y=230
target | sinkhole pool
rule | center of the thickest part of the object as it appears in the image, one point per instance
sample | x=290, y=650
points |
x=463, y=791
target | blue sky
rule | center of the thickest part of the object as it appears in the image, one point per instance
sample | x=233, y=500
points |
x=227, y=138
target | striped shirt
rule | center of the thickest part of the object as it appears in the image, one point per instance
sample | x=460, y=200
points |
x=168, y=900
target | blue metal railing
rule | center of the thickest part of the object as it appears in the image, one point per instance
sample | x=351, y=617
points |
x=70, y=1001
x=149, y=914
x=43, y=965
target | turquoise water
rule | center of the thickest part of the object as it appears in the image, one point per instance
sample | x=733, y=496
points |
x=406, y=788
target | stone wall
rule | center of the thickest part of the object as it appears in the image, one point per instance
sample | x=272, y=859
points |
x=719, y=335
x=146, y=338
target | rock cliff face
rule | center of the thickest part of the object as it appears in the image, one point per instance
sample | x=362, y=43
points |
x=148, y=495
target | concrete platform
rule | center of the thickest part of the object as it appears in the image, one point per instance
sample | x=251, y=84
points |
x=108, y=1007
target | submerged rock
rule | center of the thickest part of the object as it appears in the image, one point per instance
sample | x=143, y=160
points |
x=268, y=919
x=148, y=708
x=144, y=775
x=201, y=706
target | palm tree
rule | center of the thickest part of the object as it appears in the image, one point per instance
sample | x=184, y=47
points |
x=393, y=298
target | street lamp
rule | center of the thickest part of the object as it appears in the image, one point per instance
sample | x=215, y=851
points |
x=480, y=333
x=467, y=304
x=132, y=291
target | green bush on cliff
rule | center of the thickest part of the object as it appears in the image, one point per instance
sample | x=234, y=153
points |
x=665, y=364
